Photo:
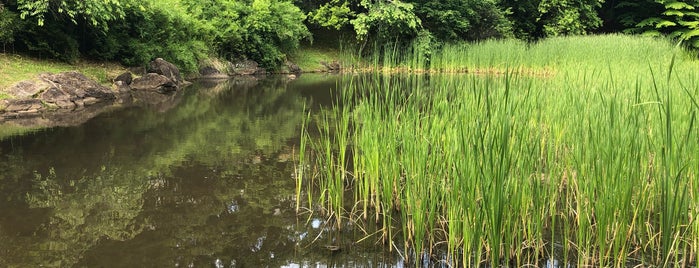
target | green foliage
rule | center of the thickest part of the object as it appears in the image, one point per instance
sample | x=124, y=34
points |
x=679, y=20
x=463, y=20
x=633, y=12
x=97, y=13
x=566, y=17
x=458, y=162
x=181, y=31
x=535, y=19
x=386, y=20
x=332, y=14
x=9, y=23
x=148, y=33
x=56, y=39
x=262, y=30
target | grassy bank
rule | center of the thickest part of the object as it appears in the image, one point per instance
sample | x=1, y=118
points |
x=15, y=68
x=594, y=163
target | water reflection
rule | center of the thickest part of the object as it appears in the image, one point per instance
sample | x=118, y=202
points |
x=202, y=179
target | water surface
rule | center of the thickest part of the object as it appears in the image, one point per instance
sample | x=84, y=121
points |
x=203, y=178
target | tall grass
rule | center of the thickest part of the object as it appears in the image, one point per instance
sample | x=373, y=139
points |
x=594, y=163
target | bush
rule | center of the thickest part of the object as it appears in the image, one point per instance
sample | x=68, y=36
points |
x=261, y=30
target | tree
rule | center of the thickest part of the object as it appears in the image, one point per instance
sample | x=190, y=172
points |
x=262, y=30
x=624, y=15
x=565, y=17
x=680, y=20
x=9, y=24
x=386, y=20
x=463, y=20
x=96, y=12
x=535, y=19
x=333, y=14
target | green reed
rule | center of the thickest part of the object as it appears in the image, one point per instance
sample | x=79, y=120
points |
x=593, y=163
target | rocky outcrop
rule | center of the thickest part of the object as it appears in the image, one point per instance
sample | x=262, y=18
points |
x=70, y=98
x=68, y=90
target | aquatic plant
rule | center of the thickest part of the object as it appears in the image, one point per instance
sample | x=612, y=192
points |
x=593, y=163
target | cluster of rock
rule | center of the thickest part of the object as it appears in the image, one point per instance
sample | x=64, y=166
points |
x=244, y=68
x=70, y=91
x=161, y=76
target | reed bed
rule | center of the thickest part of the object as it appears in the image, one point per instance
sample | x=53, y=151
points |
x=593, y=165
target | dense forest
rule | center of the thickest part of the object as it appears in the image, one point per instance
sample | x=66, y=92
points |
x=188, y=31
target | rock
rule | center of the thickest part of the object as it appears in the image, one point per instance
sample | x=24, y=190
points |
x=19, y=105
x=153, y=81
x=53, y=95
x=78, y=85
x=65, y=105
x=333, y=66
x=169, y=70
x=247, y=67
x=28, y=88
x=293, y=68
x=55, y=91
x=138, y=70
x=125, y=78
x=210, y=72
x=56, y=98
x=90, y=101
x=122, y=88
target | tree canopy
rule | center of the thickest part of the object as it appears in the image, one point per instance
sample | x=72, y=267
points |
x=187, y=31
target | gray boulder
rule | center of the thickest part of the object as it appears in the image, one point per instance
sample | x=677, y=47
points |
x=293, y=67
x=169, y=70
x=154, y=82
x=333, y=66
x=125, y=79
x=210, y=72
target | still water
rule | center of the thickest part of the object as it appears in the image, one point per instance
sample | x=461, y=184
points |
x=203, y=178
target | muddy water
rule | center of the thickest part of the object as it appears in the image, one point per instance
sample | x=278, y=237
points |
x=200, y=179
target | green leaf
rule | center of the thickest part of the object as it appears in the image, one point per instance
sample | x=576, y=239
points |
x=674, y=12
x=649, y=22
x=689, y=24
x=690, y=34
x=652, y=33
x=677, y=34
x=665, y=23
x=678, y=5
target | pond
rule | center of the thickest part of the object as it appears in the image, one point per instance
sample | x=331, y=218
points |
x=203, y=178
